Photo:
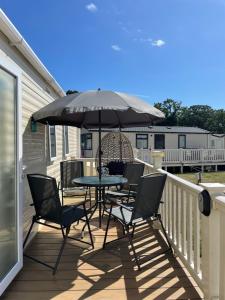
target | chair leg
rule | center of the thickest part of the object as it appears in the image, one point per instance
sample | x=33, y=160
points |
x=89, y=228
x=133, y=229
x=29, y=231
x=124, y=233
x=62, y=196
x=61, y=249
x=132, y=247
x=165, y=234
x=107, y=227
x=89, y=195
x=92, y=213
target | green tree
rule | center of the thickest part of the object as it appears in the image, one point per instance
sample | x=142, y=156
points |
x=171, y=109
x=68, y=92
x=216, y=123
x=196, y=116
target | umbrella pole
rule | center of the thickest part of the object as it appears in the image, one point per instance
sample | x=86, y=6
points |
x=121, y=156
x=100, y=144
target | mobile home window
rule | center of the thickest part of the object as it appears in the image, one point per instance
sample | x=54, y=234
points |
x=52, y=142
x=141, y=141
x=159, y=141
x=86, y=141
x=66, y=140
x=182, y=141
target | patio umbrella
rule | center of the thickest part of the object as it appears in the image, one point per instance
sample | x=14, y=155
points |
x=98, y=109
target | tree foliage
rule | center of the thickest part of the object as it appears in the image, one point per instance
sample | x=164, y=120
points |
x=68, y=92
x=171, y=109
x=202, y=116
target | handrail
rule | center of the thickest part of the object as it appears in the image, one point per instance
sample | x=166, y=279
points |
x=189, y=185
x=184, y=156
x=182, y=219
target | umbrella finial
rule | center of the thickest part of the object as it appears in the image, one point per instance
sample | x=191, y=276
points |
x=99, y=89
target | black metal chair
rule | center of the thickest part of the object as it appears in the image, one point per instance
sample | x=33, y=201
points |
x=133, y=173
x=69, y=170
x=144, y=209
x=48, y=208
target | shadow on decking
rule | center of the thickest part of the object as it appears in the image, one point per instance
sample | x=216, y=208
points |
x=103, y=274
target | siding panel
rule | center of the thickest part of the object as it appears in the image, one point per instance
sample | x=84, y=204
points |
x=35, y=145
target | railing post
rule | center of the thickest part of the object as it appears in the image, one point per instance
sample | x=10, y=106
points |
x=157, y=157
x=136, y=152
x=211, y=245
x=180, y=155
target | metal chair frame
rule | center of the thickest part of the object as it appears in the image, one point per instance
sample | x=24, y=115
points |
x=64, y=229
x=132, y=184
x=61, y=186
x=132, y=225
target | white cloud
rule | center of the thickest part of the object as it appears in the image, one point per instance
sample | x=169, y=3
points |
x=116, y=48
x=158, y=43
x=91, y=7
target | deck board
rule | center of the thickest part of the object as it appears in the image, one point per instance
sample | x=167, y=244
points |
x=102, y=274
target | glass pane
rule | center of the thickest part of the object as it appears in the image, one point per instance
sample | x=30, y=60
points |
x=8, y=215
x=182, y=141
x=52, y=141
x=142, y=141
x=86, y=141
x=159, y=141
x=88, y=144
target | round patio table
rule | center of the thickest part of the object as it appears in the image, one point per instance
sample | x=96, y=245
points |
x=99, y=185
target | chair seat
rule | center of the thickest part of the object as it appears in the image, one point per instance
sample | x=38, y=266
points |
x=70, y=214
x=116, y=212
x=75, y=191
x=120, y=194
x=127, y=213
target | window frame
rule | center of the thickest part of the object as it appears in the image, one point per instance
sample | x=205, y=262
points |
x=185, y=143
x=52, y=158
x=91, y=138
x=66, y=148
x=10, y=67
x=155, y=136
x=142, y=139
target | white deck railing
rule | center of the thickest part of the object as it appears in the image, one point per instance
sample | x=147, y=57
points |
x=89, y=166
x=199, y=241
x=185, y=156
x=182, y=220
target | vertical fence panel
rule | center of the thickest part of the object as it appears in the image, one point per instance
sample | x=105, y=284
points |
x=189, y=230
x=184, y=223
x=196, y=228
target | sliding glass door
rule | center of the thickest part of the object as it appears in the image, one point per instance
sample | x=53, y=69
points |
x=10, y=256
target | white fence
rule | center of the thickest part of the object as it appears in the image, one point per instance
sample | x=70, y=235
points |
x=185, y=156
x=181, y=218
x=90, y=168
x=199, y=241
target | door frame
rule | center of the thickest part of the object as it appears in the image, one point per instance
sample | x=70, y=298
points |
x=12, y=68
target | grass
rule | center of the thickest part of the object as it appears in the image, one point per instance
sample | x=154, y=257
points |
x=206, y=177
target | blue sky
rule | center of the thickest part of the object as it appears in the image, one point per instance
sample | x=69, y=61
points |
x=156, y=49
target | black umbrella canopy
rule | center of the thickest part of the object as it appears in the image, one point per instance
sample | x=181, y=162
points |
x=82, y=110
x=98, y=109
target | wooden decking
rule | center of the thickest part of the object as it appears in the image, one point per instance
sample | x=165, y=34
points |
x=102, y=274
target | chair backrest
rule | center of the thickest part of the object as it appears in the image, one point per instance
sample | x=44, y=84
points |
x=70, y=169
x=133, y=172
x=45, y=196
x=116, y=167
x=149, y=194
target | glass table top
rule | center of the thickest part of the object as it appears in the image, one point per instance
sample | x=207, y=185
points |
x=95, y=181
